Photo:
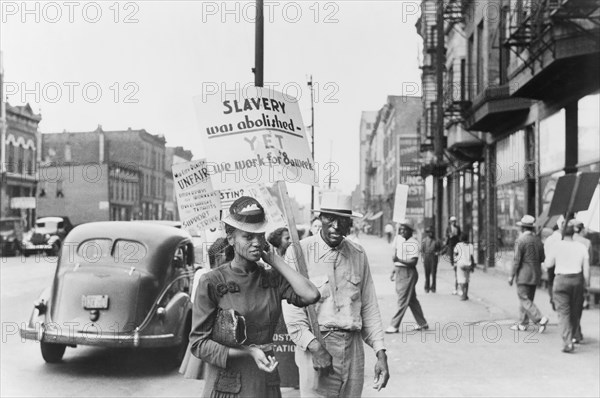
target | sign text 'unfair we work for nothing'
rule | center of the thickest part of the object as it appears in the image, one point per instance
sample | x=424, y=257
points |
x=255, y=139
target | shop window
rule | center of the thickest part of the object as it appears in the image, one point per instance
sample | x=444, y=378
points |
x=588, y=126
x=59, y=189
x=552, y=143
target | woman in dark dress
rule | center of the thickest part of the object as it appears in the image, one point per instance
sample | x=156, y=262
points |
x=255, y=291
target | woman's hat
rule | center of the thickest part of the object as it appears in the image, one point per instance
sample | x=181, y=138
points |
x=338, y=204
x=527, y=221
x=247, y=214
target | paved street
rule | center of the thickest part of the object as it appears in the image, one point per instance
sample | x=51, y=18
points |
x=469, y=352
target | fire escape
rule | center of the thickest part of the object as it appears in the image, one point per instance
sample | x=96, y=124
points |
x=536, y=27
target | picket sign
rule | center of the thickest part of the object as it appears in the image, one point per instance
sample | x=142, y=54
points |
x=265, y=140
x=301, y=261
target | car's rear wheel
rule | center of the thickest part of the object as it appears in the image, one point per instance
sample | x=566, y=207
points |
x=176, y=354
x=52, y=353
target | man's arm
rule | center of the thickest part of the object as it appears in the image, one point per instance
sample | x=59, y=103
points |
x=372, y=327
x=296, y=318
x=586, y=270
x=516, y=263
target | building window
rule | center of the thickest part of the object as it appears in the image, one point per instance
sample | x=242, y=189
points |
x=59, y=189
x=21, y=160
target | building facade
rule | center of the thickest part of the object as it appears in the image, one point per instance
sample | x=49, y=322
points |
x=521, y=80
x=20, y=138
x=392, y=158
x=102, y=175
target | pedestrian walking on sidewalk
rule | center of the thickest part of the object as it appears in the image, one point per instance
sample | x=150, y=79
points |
x=572, y=263
x=452, y=237
x=579, y=236
x=347, y=313
x=527, y=270
x=430, y=249
x=406, y=255
x=549, y=246
x=465, y=264
x=389, y=232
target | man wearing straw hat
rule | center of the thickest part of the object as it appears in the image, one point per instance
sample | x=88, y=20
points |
x=347, y=313
x=527, y=270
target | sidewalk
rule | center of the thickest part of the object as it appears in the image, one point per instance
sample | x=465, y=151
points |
x=469, y=349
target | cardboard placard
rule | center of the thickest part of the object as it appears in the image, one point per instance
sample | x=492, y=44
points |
x=256, y=137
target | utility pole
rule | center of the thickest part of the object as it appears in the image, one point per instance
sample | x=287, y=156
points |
x=283, y=193
x=312, y=137
x=259, y=45
x=438, y=140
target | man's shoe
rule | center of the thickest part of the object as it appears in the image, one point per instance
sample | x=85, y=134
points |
x=391, y=330
x=464, y=298
x=543, y=324
x=422, y=327
x=577, y=341
x=433, y=290
x=568, y=348
x=518, y=327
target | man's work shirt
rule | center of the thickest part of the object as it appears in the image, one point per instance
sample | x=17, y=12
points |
x=405, y=249
x=348, y=299
x=570, y=257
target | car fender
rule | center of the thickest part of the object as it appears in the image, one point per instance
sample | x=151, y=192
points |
x=36, y=319
x=176, y=312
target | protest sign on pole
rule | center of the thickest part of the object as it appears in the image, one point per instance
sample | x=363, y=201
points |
x=256, y=137
x=400, y=201
x=198, y=203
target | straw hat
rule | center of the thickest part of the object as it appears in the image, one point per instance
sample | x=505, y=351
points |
x=338, y=204
x=408, y=223
x=527, y=221
x=247, y=214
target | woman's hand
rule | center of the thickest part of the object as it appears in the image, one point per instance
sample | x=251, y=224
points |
x=268, y=255
x=264, y=363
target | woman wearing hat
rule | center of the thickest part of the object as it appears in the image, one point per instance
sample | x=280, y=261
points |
x=247, y=369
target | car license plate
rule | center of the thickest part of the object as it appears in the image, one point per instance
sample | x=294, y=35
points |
x=95, y=302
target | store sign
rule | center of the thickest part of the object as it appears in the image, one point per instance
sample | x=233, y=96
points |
x=23, y=202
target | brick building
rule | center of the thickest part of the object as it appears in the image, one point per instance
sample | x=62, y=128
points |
x=392, y=158
x=102, y=175
x=520, y=108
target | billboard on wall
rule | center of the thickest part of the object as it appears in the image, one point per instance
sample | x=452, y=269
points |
x=410, y=174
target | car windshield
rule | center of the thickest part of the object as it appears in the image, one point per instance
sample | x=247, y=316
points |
x=46, y=225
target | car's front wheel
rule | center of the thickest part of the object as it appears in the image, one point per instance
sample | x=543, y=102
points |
x=52, y=353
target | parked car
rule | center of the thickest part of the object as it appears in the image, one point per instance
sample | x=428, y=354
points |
x=117, y=284
x=47, y=235
x=11, y=236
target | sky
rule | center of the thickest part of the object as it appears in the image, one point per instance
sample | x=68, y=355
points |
x=139, y=64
